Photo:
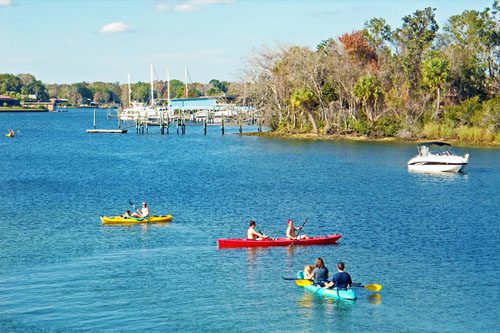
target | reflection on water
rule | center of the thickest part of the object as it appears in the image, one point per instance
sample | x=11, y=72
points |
x=305, y=301
x=251, y=252
x=311, y=299
x=438, y=177
x=375, y=299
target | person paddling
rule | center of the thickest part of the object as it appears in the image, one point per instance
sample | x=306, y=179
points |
x=341, y=279
x=254, y=234
x=320, y=273
x=291, y=231
x=142, y=212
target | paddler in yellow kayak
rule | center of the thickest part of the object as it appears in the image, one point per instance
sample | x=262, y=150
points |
x=142, y=212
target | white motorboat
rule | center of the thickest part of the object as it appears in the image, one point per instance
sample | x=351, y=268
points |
x=443, y=160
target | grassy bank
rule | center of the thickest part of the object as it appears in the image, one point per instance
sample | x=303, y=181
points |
x=20, y=109
x=460, y=141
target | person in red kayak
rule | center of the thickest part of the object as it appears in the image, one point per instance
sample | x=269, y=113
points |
x=291, y=229
x=254, y=234
x=341, y=279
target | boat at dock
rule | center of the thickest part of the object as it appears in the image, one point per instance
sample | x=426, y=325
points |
x=443, y=160
x=242, y=242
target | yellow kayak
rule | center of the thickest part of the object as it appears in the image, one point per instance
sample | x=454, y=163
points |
x=134, y=220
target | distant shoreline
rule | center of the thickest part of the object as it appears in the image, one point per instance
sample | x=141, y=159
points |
x=22, y=110
x=338, y=137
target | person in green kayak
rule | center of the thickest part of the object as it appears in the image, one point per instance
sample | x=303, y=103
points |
x=254, y=234
x=341, y=279
x=320, y=273
x=142, y=212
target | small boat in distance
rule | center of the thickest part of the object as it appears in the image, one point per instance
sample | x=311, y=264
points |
x=443, y=160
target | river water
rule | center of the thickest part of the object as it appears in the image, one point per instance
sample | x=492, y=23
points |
x=432, y=241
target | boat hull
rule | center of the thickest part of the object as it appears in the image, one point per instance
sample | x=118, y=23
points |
x=241, y=242
x=334, y=293
x=431, y=168
x=127, y=221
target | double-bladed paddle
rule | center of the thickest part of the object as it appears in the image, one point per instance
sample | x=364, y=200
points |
x=303, y=282
x=302, y=227
x=133, y=206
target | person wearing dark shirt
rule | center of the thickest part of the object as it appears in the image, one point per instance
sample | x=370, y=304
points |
x=341, y=279
x=320, y=273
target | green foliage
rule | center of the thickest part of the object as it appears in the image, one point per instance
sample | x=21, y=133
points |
x=217, y=87
x=377, y=32
x=329, y=93
x=303, y=98
x=435, y=72
x=463, y=114
x=474, y=134
x=22, y=85
x=367, y=89
x=140, y=92
x=415, y=37
x=360, y=125
x=176, y=88
x=388, y=125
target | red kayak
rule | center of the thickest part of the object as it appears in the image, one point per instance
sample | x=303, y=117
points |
x=241, y=242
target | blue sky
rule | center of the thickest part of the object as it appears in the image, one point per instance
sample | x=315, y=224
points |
x=66, y=41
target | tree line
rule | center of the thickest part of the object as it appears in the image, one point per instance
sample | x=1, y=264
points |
x=27, y=87
x=414, y=81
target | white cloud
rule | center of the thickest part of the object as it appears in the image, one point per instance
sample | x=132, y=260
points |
x=185, y=7
x=211, y=2
x=113, y=27
x=192, y=5
x=5, y=3
x=162, y=7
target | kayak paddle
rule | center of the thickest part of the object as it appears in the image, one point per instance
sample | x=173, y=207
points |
x=133, y=206
x=371, y=287
x=302, y=227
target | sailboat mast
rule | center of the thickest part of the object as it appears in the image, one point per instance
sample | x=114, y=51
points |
x=168, y=87
x=129, y=92
x=186, y=80
x=152, y=92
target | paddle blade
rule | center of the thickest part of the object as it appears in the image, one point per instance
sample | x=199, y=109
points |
x=374, y=287
x=303, y=282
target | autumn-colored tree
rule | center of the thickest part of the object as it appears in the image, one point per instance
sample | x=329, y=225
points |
x=357, y=47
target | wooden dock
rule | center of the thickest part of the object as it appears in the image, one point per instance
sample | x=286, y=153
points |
x=119, y=131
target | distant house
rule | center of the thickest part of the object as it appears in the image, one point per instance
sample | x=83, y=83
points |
x=8, y=101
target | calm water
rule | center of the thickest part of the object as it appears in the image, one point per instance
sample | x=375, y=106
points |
x=431, y=241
